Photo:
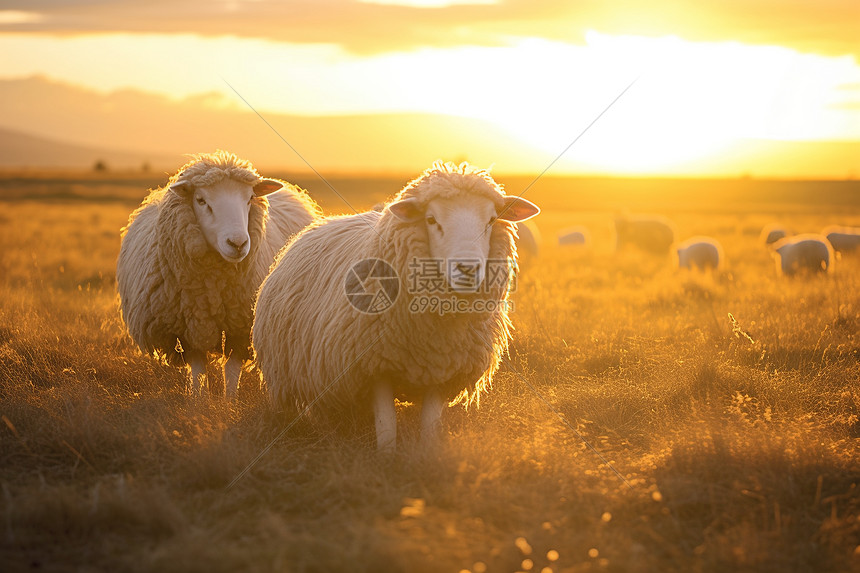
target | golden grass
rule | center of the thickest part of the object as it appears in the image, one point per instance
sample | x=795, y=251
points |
x=740, y=440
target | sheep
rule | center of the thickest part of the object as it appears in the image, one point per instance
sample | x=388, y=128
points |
x=574, y=236
x=807, y=253
x=772, y=233
x=651, y=233
x=193, y=255
x=528, y=240
x=321, y=340
x=700, y=253
x=843, y=239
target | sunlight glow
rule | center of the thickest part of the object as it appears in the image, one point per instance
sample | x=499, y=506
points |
x=693, y=99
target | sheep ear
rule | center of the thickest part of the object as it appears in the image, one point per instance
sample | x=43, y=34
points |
x=267, y=186
x=182, y=188
x=517, y=209
x=407, y=210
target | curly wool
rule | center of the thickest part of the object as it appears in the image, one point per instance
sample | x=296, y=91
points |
x=177, y=294
x=206, y=169
x=312, y=345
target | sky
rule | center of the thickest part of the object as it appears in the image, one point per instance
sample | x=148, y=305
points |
x=697, y=79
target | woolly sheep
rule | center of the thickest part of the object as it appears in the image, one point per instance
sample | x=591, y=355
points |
x=528, y=240
x=193, y=255
x=651, y=233
x=315, y=347
x=574, y=236
x=843, y=239
x=803, y=253
x=700, y=253
x=773, y=233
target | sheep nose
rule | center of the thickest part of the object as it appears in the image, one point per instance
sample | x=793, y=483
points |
x=236, y=245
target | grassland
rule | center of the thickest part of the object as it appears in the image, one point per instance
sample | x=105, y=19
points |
x=738, y=437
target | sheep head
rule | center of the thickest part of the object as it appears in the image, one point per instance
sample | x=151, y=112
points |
x=222, y=210
x=459, y=227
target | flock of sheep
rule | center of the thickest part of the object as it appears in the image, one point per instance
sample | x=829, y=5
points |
x=224, y=262
x=794, y=254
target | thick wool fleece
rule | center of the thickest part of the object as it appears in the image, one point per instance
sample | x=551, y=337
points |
x=311, y=344
x=177, y=294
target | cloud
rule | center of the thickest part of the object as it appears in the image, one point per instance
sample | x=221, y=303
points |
x=827, y=27
x=15, y=17
x=429, y=3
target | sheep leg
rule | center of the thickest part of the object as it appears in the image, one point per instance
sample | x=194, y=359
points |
x=385, y=416
x=232, y=373
x=431, y=416
x=198, y=372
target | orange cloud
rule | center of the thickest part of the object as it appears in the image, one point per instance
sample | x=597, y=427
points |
x=827, y=27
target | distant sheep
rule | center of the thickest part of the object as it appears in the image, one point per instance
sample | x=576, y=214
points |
x=318, y=345
x=651, y=233
x=843, y=239
x=808, y=253
x=528, y=240
x=574, y=236
x=194, y=254
x=773, y=233
x=700, y=253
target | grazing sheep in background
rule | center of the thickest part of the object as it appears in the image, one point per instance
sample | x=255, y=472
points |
x=574, y=236
x=313, y=344
x=651, y=233
x=843, y=239
x=773, y=233
x=194, y=254
x=700, y=253
x=528, y=240
x=808, y=253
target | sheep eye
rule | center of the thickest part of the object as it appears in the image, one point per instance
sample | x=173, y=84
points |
x=431, y=220
x=492, y=220
x=201, y=201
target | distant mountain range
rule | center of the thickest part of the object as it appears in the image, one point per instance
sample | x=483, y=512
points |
x=44, y=123
x=164, y=129
x=18, y=149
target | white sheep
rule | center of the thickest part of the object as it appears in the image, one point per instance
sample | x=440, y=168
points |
x=574, y=236
x=772, y=233
x=843, y=239
x=347, y=313
x=651, y=233
x=807, y=253
x=700, y=253
x=194, y=254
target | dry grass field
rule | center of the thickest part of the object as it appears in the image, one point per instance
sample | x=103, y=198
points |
x=738, y=438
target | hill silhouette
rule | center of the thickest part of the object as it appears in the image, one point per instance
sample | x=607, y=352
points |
x=165, y=129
